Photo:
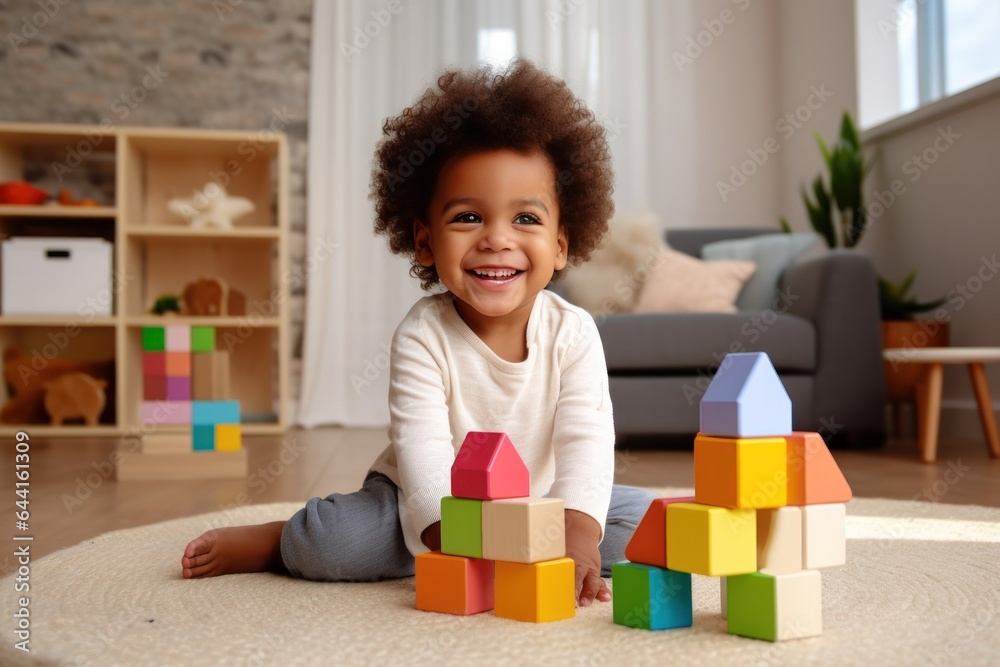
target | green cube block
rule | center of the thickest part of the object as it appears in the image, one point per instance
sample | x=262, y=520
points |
x=154, y=339
x=775, y=607
x=650, y=597
x=202, y=339
x=462, y=527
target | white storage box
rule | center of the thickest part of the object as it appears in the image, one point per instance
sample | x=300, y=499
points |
x=56, y=276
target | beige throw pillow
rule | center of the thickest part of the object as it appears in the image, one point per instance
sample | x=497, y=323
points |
x=681, y=283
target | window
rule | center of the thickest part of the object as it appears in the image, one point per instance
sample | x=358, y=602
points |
x=914, y=52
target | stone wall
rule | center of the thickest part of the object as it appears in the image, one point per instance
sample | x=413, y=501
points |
x=221, y=64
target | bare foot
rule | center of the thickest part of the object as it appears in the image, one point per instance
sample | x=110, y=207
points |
x=234, y=550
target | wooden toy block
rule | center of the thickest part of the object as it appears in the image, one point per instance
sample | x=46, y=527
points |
x=524, y=530
x=779, y=540
x=215, y=412
x=166, y=443
x=203, y=437
x=535, y=592
x=488, y=467
x=178, y=364
x=775, y=607
x=154, y=339
x=740, y=472
x=178, y=338
x=178, y=388
x=746, y=399
x=166, y=412
x=824, y=542
x=814, y=478
x=135, y=465
x=154, y=388
x=462, y=527
x=453, y=584
x=714, y=541
x=650, y=598
x=722, y=596
x=649, y=542
x=202, y=339
x=210, y=376
x=228, y=437
x=154, y=364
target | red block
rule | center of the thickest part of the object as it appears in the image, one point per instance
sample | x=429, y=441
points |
x=488, y=467
x=453, y=584
x=649, y=542
x=154, y=388
x=154, y=363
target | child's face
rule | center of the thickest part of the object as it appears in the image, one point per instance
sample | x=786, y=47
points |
x=493, y=232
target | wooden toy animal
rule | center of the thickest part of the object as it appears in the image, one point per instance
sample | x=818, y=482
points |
x=75, y=395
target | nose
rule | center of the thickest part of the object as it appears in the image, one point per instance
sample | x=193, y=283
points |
x=495, y=236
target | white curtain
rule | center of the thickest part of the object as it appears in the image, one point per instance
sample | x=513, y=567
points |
x=369, y=63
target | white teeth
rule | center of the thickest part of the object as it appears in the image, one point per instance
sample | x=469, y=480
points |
x=495, y=273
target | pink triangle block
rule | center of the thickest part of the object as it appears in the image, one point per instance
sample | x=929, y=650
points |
x=488, y=467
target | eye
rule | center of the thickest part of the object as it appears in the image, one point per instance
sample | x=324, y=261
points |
x=468, y=216
x=527, y=219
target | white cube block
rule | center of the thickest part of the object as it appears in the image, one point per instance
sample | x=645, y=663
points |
x=824, y=540
x=524, y=530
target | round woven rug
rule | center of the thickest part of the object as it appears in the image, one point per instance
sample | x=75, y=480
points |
x=921, y=587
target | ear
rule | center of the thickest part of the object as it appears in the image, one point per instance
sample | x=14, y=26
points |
x=422, y=247
x=562, y=256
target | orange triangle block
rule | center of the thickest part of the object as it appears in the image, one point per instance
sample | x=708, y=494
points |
x=814, y=478
x=649, y=542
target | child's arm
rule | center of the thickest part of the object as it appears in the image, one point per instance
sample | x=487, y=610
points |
x=583, y=442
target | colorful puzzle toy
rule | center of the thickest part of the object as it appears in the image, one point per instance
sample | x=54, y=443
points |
x=768, y=512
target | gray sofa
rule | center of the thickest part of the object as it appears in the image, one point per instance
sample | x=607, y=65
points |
x=823, y=337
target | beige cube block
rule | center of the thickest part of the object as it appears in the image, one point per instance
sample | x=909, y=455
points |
x=524, y=530
x=799, y=601
x=779, y=540
x=166, y=443
x=210, y=376
x=824, y=539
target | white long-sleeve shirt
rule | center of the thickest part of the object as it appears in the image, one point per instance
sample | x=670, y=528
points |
x=555, y=407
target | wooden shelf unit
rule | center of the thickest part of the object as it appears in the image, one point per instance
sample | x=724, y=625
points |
x=157, y=253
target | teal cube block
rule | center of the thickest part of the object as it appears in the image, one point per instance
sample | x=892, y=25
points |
x=154, y=339
x=215, y=412
x=650, y=597
x=203, y=437
x=202, y=339
x=462, y=527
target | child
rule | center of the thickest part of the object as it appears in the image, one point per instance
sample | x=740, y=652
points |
x=491, y=183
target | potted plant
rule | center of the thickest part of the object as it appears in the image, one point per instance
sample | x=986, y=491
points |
x=837, y=213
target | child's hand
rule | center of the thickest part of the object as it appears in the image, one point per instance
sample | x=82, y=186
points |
x=583, y=534
x=431, y=537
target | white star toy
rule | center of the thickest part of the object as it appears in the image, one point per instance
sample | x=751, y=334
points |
x=211, y=207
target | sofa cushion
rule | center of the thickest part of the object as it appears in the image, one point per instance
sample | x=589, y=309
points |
x=681, y=283
x=671, y=343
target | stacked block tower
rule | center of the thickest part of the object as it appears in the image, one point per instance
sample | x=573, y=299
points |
x=768, y=513
x=185, y=383
x=500, y=548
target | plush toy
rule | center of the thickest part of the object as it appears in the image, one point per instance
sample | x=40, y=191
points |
x=211, y=207
x=74, y=395
x=212, y=296
x=25, y=376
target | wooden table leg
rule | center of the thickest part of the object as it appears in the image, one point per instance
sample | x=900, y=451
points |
x=930, y=412
x=982, y=390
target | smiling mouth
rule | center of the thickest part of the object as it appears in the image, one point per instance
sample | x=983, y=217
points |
x=498, y=274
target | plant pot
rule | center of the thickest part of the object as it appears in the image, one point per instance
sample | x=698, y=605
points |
x=901, y=379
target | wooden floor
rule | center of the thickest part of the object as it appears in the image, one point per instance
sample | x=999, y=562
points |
x=74, y=495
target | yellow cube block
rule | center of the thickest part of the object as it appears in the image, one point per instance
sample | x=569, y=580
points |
x=228, y=438
x=740, y=472
x=713, y=541
x=535, y=592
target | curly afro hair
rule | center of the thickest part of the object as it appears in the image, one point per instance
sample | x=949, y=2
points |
x=522, y=108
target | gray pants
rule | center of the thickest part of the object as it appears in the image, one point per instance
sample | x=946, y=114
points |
x=357, y=536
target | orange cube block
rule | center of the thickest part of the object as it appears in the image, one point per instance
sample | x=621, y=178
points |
x=536, y=592
x=814, y=478
x=740, y=473
x=178, y=364
x=453, y=584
